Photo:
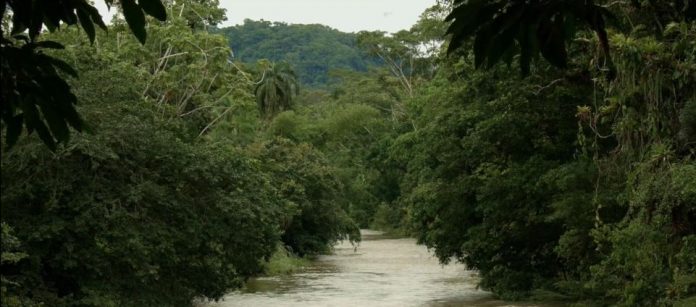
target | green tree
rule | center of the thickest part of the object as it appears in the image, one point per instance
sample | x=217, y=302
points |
x=199, y=14
x=136, y=214
x=549, y=182
x=313, y=219
x=276, y=89
x=143, y=211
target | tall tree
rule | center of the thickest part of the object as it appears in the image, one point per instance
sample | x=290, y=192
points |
x=276, y=89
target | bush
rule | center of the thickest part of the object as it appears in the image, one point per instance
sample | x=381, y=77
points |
x=135, y=215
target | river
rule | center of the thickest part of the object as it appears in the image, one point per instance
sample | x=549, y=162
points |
x=381, y=271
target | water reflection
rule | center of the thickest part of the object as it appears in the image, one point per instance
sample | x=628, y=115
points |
x=383, y=271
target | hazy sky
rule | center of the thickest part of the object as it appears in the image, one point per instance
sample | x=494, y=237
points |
x=345, y=15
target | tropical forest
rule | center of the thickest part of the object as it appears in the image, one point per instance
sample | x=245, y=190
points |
x=492, y=153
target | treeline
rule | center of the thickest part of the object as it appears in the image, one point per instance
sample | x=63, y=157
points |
x=575, y=183
x=173, y=193
x=312, y=50
x=569, y=184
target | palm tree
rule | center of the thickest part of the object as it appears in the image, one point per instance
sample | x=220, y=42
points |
x=276, y=89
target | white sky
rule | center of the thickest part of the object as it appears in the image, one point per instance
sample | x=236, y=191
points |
x=344, y=15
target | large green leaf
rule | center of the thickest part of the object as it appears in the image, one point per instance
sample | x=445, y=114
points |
x=87, y=25
x=135, y=18
x=63, y=66
x=34, y=123
x=552, y=41
x=14, y=129
x=48, y=44
x=154, y=8
x=94, y=15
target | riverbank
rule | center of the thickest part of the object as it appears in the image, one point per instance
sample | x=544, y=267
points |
x=283, y=262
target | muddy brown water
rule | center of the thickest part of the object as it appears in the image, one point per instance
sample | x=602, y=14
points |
x=381, y=271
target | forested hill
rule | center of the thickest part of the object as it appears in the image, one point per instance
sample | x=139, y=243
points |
x=311, y=49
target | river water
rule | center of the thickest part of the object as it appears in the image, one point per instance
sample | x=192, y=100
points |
x=381, y=271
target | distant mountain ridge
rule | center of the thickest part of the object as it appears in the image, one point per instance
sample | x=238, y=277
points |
x=311, y=49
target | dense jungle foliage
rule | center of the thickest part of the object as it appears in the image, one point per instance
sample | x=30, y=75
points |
x=156, y=204
x=559, y=164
